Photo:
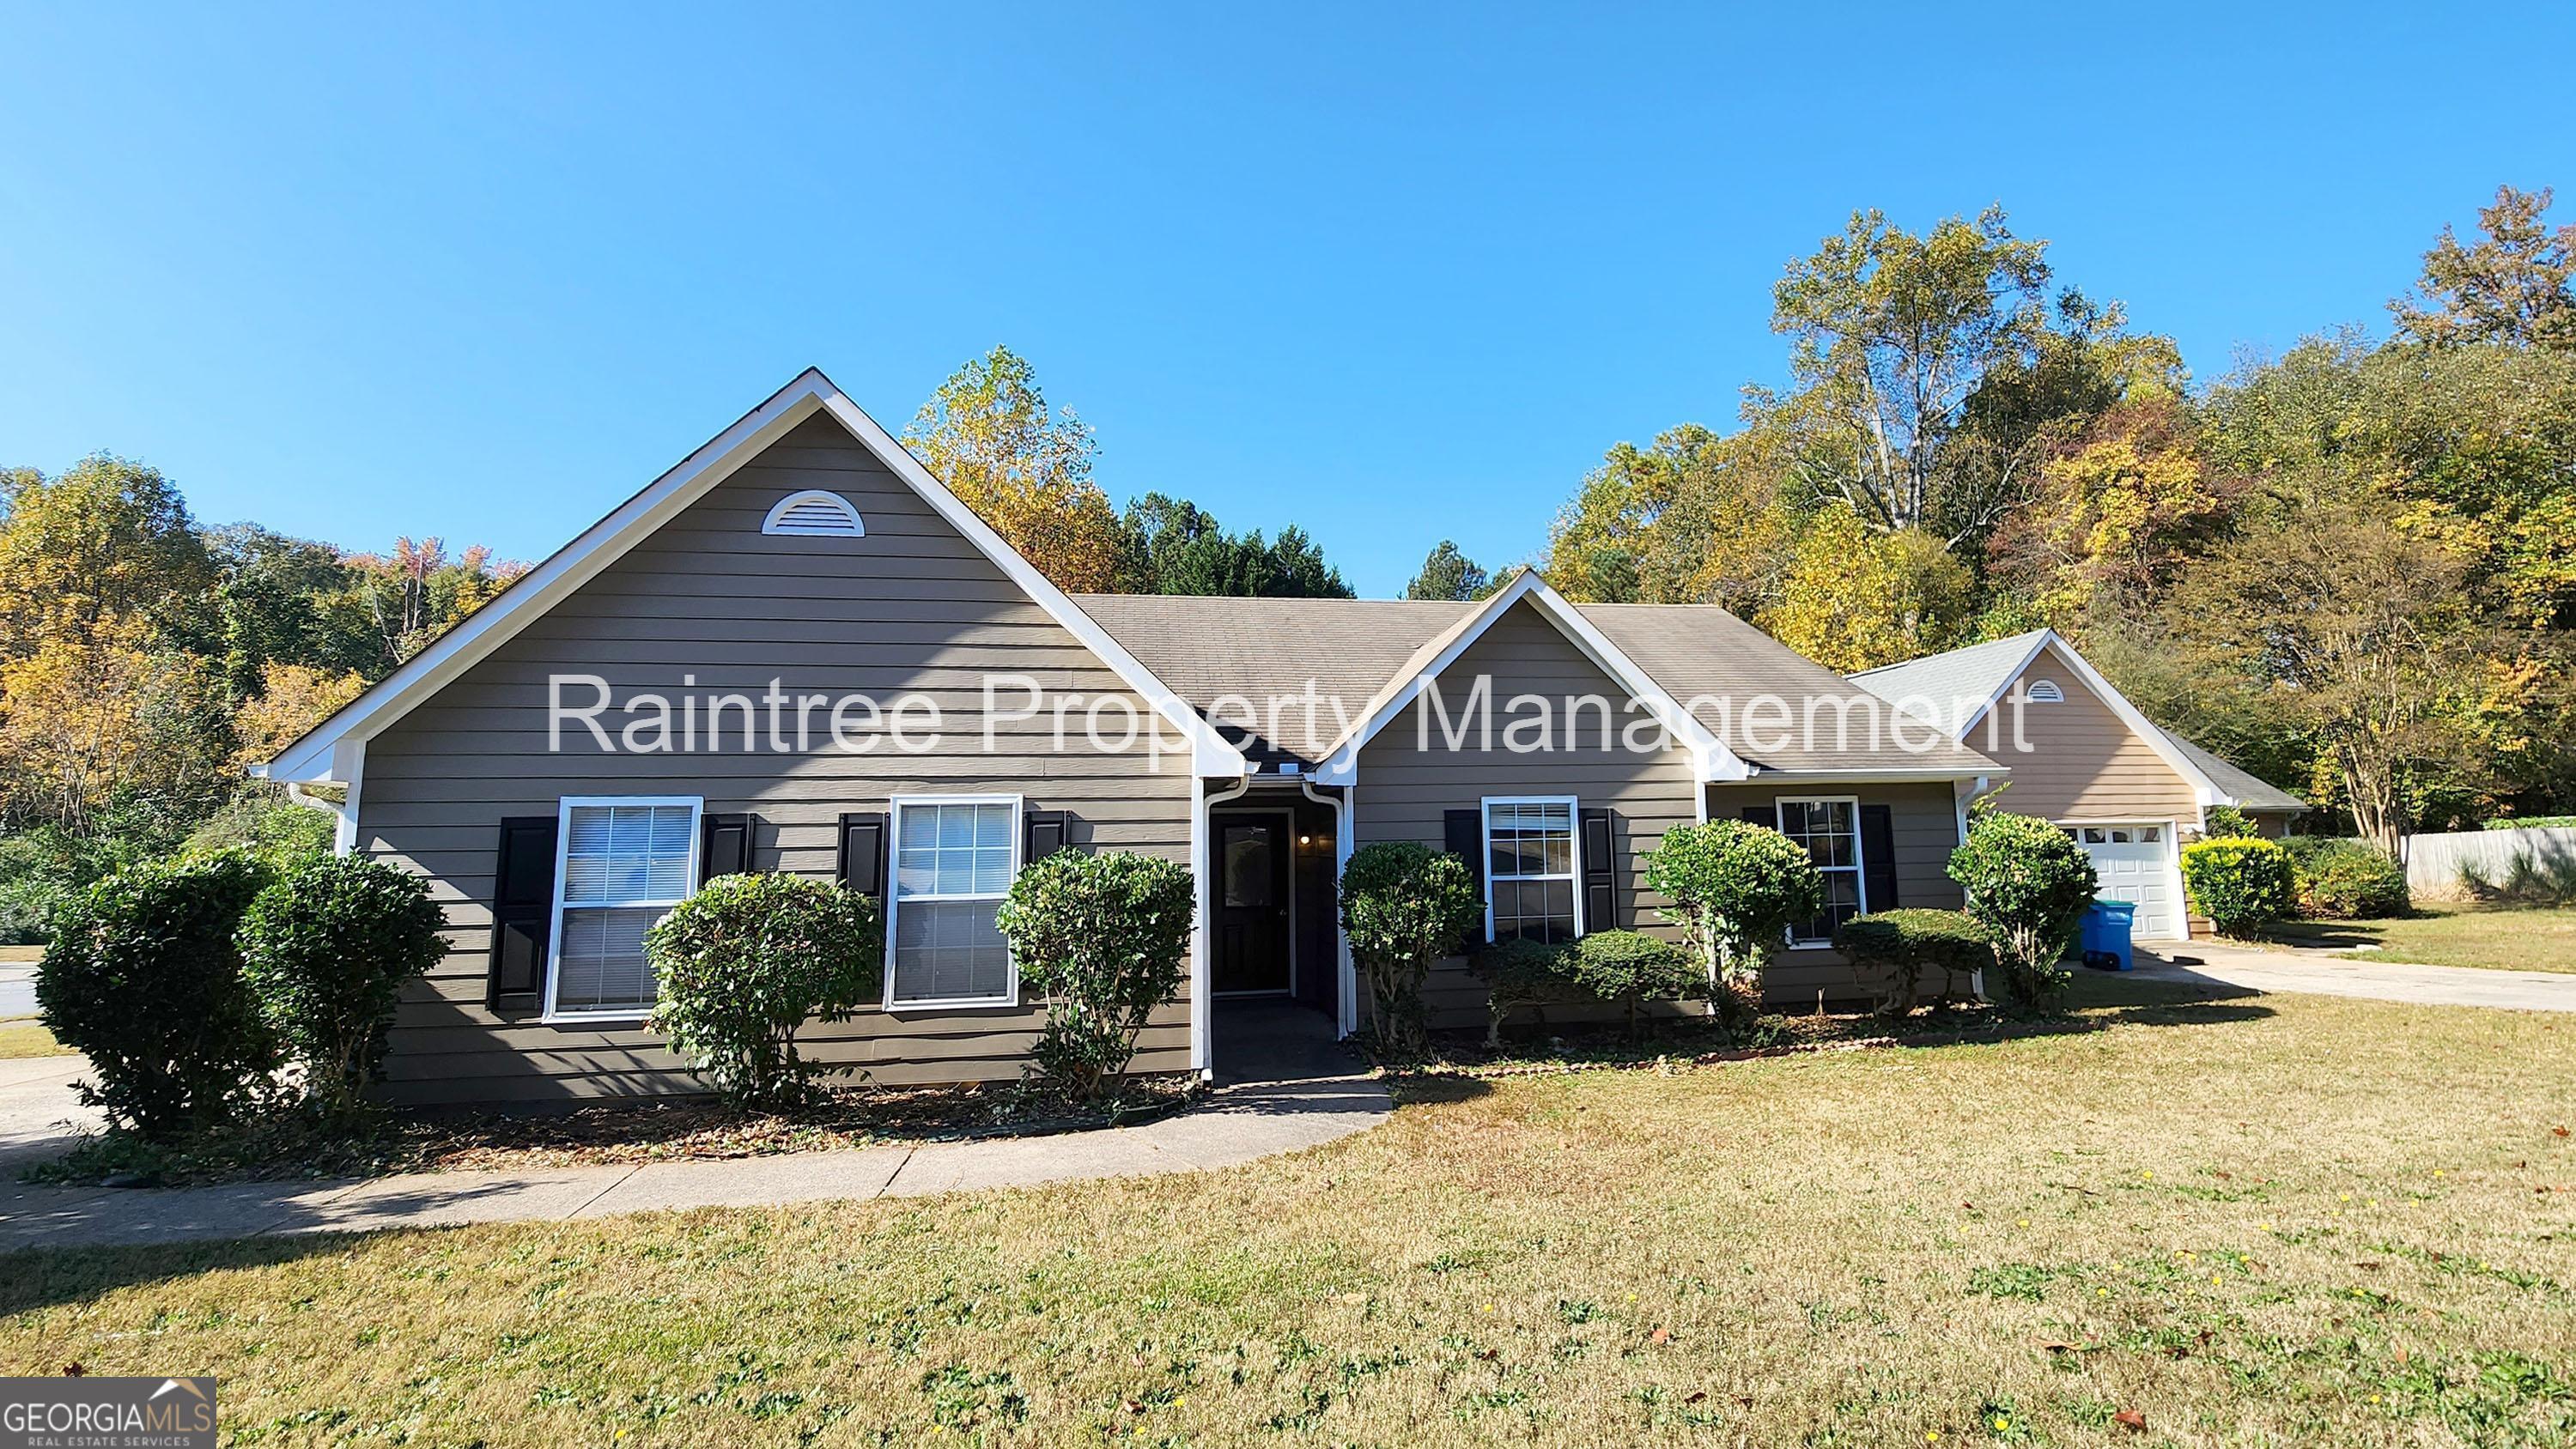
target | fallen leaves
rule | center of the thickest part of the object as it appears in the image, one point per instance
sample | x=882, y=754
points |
x=2130, y=1419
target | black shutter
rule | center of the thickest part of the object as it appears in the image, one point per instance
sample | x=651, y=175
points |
x=1600, y=871
x=523, y=906
x=1878, y=856
x=1767, y=816
x=863, y=855
x=1044, y=832
x=1463, y=831
x=724, y=846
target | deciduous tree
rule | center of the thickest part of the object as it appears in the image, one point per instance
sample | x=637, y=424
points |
x=2517, y=285
x=1025, y=469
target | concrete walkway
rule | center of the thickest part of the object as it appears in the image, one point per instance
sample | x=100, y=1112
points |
x=1285, y=1088
x=2322, y=973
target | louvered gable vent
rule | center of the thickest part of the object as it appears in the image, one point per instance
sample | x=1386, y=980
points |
x=815, y=514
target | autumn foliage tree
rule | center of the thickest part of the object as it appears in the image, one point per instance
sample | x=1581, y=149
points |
x=1024, y=468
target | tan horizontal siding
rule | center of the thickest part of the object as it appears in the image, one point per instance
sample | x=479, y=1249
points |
x=912, y=606
x=1404, y=790
x=2083, y=761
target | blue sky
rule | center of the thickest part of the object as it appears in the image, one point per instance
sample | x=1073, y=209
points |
x=482, y=272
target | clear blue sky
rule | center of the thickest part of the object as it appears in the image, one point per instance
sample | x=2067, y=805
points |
x=367, y=270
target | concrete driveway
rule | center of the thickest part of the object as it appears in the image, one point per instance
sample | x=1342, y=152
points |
x=39, y=1112
x=2323, y=974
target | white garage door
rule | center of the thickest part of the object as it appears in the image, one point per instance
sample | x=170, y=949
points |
x=2135, y=865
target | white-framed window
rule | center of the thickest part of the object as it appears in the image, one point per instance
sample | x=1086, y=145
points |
x=2045, y=691
x=954, y=856
x=621, y=863
x=1533, y=878
x=1829, y=827
x=814, y=514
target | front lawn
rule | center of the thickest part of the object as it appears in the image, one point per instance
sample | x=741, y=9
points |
x=2507, y=938
x=2241, y=1221
x=25, y=1036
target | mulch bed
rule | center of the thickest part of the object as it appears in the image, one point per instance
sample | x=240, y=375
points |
x=283, y=1145
x=1684, y=1043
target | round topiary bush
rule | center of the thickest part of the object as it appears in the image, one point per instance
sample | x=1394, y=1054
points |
x=2241, y=885
x=2346, y=879
x=1106, y=939
x=1905, y=944
x=745, y=963
x=325, y=951
x=144, y=979
x=1404, y=906
x=1633, y=968
x=1520, y=973
x=2028, y=885
x=1736, y=889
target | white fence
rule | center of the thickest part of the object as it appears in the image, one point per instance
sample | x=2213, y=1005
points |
x=2434, y=862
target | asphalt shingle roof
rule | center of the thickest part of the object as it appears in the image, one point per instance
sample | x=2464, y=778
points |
x=1714, y=662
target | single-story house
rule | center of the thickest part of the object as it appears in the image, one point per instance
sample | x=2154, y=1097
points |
x=2132, y=793
x=798, y=651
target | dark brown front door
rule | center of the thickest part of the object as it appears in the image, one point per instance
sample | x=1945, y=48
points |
x=1252, y=861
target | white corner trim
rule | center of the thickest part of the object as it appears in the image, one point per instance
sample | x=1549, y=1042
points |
x=595, y=548
x=1710, y=758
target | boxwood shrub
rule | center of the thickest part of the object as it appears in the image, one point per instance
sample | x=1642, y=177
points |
x=1633, y=968
x=324, y=952
x=1106, y=939
x=2241, y=885
x=744, y=964
x=1519, y=974
x=1404, y=906
x=2028, y=885
x=1905, y=944
x=144, y=979
x=1736, y=889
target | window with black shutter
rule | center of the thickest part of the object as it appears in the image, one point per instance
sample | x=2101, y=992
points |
x=1601, y=895
x=1463, y=835
x=1878, y=856
x=862, y=866
x=523, y=902
x=724, y=845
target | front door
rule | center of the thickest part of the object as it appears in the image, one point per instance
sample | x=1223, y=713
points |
x=1252, y=894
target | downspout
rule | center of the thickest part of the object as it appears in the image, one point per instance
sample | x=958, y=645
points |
x=1346, y=1006
x=1202, y=998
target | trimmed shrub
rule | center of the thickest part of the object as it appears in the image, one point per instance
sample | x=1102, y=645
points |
x=2226, y=822
x=1106, y=939
x=324, y=952
x=1519, y=973
x=2241, y=885
x=145, y=980
x=1904, y=944
x=742, y=966
x=2351, y=879
x=1736, y=889
x=2028, y=885
x=1633, y=968
x=1404, y=906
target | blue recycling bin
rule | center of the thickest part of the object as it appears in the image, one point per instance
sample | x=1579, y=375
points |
x=2104, y=937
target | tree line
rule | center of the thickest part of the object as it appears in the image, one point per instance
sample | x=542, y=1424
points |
x=2350, y=569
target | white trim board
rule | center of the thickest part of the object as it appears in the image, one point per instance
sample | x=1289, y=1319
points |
x=309, y=759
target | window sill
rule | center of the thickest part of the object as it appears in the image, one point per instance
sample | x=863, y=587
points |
x=961, y=1003
x=596, y=1018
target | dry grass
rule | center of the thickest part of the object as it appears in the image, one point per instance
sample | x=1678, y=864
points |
x=2505, y=938
x=24, y=1036
x=2298, y=1220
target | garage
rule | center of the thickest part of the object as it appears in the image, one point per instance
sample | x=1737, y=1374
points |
x=2135, y=863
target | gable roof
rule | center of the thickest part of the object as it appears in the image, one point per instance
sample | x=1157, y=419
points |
x=328, y=752
x=1955, y=690
x=1704, y=658
x=1711, y=757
